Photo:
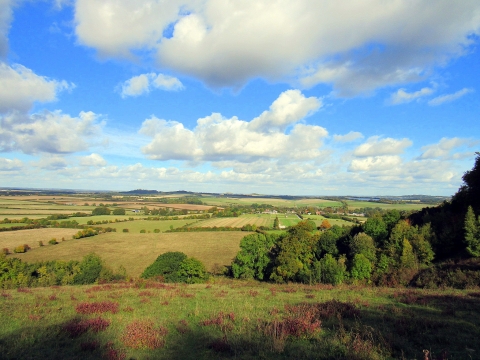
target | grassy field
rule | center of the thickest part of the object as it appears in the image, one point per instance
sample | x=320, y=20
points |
x=224, y=201
x=363, y=204
x=150, y=225
x=319, y=219
x=136, y=251
x=252, y=219
x=31, y=237
x=235, y=319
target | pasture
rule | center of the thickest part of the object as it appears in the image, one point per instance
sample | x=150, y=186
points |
x=31, y=237
x=136, y=251
x=224, y=201
x=238, y=222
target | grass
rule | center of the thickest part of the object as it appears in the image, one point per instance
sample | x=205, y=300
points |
x=136, y=251
x=352, y=204
x=254, y=219
x=31, y=237
x=150, y=225
x=235, y=319
x=319, y=218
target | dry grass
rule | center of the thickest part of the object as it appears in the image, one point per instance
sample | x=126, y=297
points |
x=136, y=251
x=12, y=239
x=239, y=221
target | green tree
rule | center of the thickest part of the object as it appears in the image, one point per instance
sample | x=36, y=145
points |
x=89, y=269
x=361, y=268
x=331, y=271
x=472, y=233
x=408, y=258
x=377, y=229
x=276, y=223
x=253, y=257
x=166, y=265
x=119, y=211
x=192, y=271
x=363, y=244
x=102, y=210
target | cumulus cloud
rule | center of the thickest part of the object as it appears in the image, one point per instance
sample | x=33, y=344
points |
x=47, y=132
x=355, y=46
x=20, y=87
x=143, y=83
x=10, y=164
x=439, y=100
x=93, y=160
x=216, y=138
x=351, y=136
x=375, y=163
x=52, y=163
x=445, y=147
x=376, y=146
x=402, y=97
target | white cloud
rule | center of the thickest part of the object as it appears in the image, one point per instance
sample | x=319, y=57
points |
x=376, y=146
x=351, y=136
x=375, y=163
x=93, y=160
x=445, y=147
x=21, y=87
x=52, y=163
x=143, y=83
x=402, y=97
x=216, y=138
x=290, y=107
x=5, y=20
x=449, y=98
x=10, y=164
x=355, y=46
x=47, y=132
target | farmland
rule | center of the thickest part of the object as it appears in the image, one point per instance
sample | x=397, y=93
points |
x=135, y=251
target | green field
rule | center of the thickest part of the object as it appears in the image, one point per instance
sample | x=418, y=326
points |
x=228, y=319
x=136, y=251
x=150, y=225
x=319, y=219
x=238, y=222
x=224, y=201
x=364, y=204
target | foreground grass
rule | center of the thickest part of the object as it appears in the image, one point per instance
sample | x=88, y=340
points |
x=235, y=319
x=136, y=251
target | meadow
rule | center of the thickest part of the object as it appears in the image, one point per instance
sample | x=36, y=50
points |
x=135, y=251
x=227, y=319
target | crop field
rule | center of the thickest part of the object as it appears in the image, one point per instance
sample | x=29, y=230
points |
x=319, y=218
x=136, y=251
x=31, y=237
x=223, y=201
x=150, y=225
x=254, y=219
x=228, y=319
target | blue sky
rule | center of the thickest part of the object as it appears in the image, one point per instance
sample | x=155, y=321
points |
x=274, y=97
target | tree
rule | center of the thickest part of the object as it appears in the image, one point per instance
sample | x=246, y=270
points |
x=119, y=211
x=331, y=271
x=472, y=233
x=192, y=271
x=325, y=224
x=102, y=210
x=469, y=193
x=361, y=268
x=377, y=229
x=252, y=259
x=276, y=223
x=90, y=269
x=363, y=244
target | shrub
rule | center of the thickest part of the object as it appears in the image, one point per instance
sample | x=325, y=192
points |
x=40, y=243
x=166, y=265
x=156, y=231
x=125, y=230
x=53, y=242
x=142, y=231
x=5, y=251
x=90, y=268
x=20, y=249
x=192, y=271
x=102, y=210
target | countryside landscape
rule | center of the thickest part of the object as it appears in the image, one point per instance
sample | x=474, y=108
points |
x=145, y=274
x=239, y=179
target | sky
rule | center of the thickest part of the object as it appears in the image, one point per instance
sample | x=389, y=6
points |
x=325, y=97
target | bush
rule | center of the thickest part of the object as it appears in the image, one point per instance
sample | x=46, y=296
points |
x=142, y=231
x=166, y=265
x=102, y=210
x=125, y=230
x=52, y=242
x=156, y=231
x=5, y=251
x=20, y=249
x=192, y=271
x=90, y=269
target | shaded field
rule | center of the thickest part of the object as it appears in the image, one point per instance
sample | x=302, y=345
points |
x=238, y=222
x=31, y=237
x=238, y=320
x=136, y=251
